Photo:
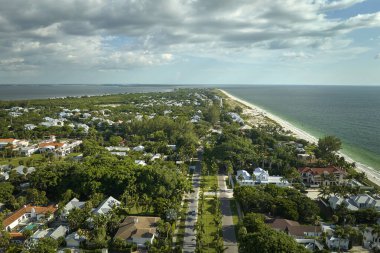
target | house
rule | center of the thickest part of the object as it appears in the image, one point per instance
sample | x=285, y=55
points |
x=140, y=162
x=22, y=170
x=294, y=229
x=84, y=127
x=304, y=157
x=29, y=126
x=54, y=233
x=7, y=141
x=5, y=175
x=27, y=214
x=236, y=117
x=138, y=230
x=72, y=204
x=156, y=156
x=322, y=176
x=28, y=151
x=74, y=240
x=50, y=122
x=371, y=239
x=107, y=205
x=139, y=148
x=49, y=146
x=259, y=177
x=355, y=202
x=332, y=241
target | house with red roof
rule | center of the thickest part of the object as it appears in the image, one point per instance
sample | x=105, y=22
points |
x=28, y=214
x=322, y=176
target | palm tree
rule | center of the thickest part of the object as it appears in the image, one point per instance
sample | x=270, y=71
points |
x=325, y=191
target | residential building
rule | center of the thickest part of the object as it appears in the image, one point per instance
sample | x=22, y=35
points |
x=322, y=176
x=332, y=241
x=371, y=239
x=74, y=240
x=107, y=205
x=138, y=230
x=355, y=202
x=260, y=176
x=22, y=170
x=28, y=214
x=294, y=229
x=72, y=204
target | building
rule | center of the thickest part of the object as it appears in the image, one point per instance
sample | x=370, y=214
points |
x=322, y=176
x=355, y=202
x=332, y=241
x=28, y=214
x=259, y=177
x=107, y=205
x=371, y=239
x=294, y=229
x=74, y=240
x=138, y=230
x=72, y=204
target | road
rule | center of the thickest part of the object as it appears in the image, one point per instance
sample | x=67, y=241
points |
x=189, y=240
x=229, y=236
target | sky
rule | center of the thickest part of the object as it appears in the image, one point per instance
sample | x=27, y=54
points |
x=213, y=42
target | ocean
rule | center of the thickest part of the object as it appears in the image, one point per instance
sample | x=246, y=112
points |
x=351, y=113
x=35, y=91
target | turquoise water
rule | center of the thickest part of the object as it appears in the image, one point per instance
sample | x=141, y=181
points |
x=351, y=113
x=29, y=227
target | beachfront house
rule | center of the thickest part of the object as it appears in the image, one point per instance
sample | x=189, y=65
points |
x=322, y=176
x=260, y=176
x=107, y=205
x=371, y=239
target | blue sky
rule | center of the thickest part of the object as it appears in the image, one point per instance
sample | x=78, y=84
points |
x=190, y=41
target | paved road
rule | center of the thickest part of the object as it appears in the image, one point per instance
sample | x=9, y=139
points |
x=189, y=240
x=229, y=236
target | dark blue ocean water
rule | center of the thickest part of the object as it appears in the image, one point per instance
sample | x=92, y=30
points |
x=351, y=113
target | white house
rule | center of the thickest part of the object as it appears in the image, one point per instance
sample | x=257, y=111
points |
x=26, y=214
x=28, y=151
x=260, y=177
x=20, y=170
x=72, y=204
x=107, y=205
x=139, y=148
x=333, y=242
x=29, y=126
x=140, y=162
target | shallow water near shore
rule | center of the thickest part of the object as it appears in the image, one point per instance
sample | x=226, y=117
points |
x=351, y=113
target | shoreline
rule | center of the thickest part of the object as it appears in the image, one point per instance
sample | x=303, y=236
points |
x=372, y=174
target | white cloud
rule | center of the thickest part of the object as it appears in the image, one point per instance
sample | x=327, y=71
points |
x=122, y=34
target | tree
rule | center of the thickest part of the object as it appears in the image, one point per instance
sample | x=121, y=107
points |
x=45, y=245
x=115, y=140
x=327, y=146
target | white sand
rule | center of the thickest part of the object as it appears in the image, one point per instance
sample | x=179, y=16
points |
x=371, y=173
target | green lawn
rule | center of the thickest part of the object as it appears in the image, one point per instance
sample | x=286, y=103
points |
x=35, y=159
x=235, y=216
x=139, y=211
x=209, y=182
x=181, y=225
x=210, y=227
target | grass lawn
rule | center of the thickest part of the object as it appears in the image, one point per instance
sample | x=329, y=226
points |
x=209, y=182
x=36, y=159
x=235, y=216
x=139, y=211
x=181, y=225
x=210, y=227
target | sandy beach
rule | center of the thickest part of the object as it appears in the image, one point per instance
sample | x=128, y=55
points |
x=371, y=173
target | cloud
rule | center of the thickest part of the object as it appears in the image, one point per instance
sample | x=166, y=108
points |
x=123, y=34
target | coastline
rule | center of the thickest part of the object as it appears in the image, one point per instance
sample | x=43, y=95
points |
x=372, y=174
